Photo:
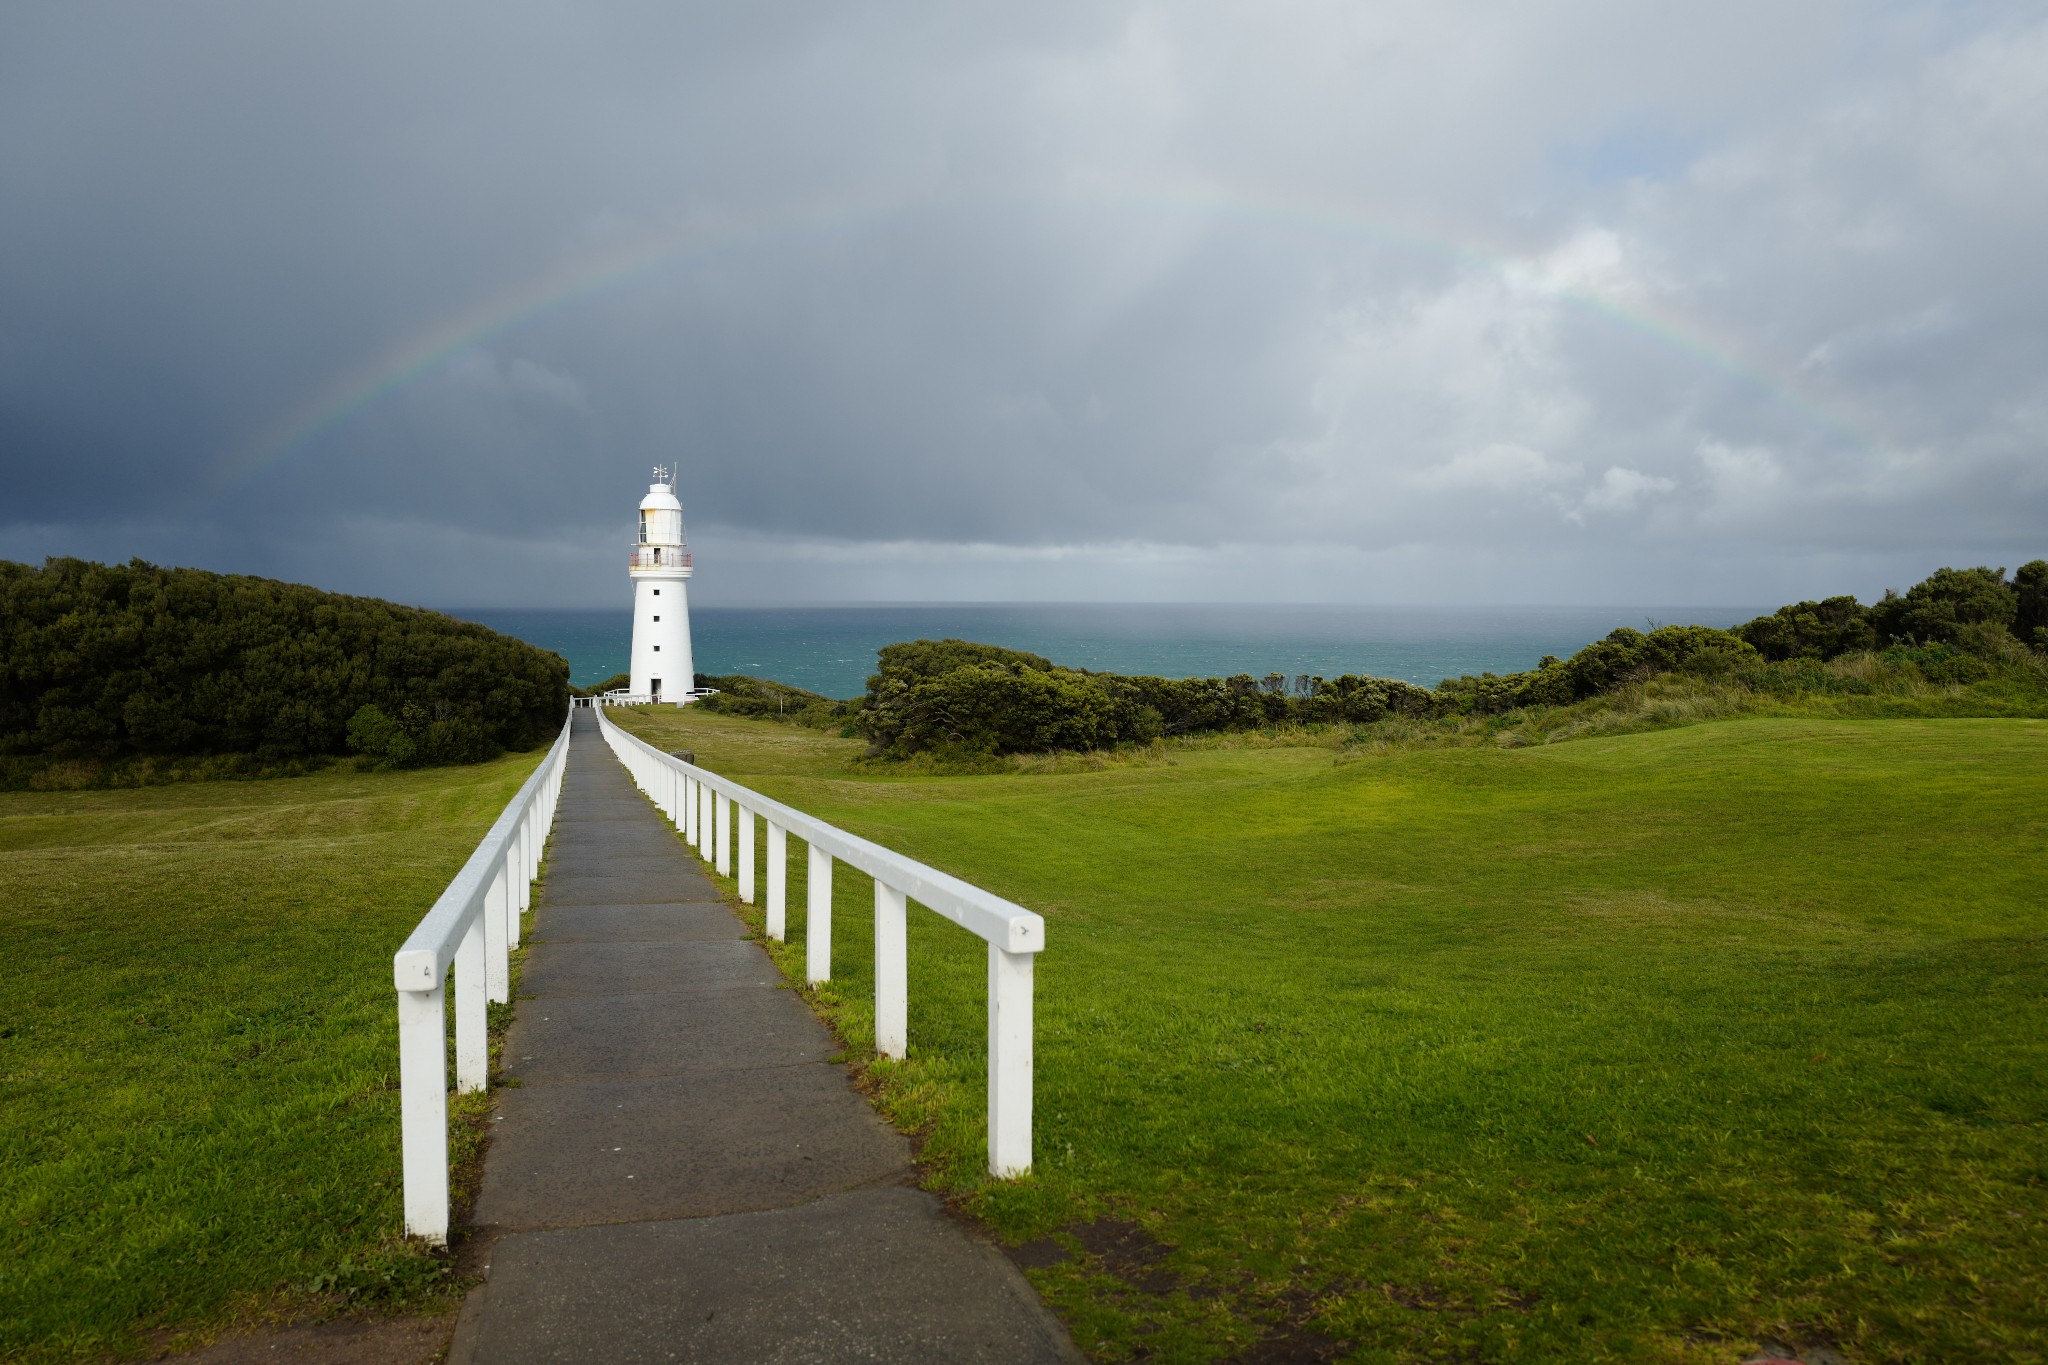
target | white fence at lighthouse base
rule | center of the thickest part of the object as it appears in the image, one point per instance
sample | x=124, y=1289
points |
x=710, y=810
x=473, y=927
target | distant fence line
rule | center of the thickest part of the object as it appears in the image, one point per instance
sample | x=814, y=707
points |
x=472, y=928
x=710, y=810
x=474, y=925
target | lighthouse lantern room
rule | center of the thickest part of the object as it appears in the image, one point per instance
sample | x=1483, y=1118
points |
x=660, y=569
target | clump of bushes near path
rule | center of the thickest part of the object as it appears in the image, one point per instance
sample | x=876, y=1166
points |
x=1960, y=628
x=140, y=670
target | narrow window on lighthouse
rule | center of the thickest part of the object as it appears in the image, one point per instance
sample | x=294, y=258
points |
x=657, y=649
x=657, y=592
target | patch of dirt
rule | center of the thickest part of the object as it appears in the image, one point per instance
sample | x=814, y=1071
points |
x=1294, y=1342
x=1121, y=1248
x=344, y=1341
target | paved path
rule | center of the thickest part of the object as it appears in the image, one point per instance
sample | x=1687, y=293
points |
x=679, y=1173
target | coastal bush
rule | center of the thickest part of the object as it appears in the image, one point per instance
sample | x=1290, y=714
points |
x=1955, y=629
x=1940, y=608
x=108, y=663
x=742, y=694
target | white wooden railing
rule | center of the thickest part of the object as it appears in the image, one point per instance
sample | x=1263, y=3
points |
x=710, y=809
x=473, y=927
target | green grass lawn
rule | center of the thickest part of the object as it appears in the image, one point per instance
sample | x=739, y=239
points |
x=198, y=1045
x=1649, y=1047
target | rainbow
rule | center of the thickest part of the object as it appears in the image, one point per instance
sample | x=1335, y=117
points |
x=586, y=278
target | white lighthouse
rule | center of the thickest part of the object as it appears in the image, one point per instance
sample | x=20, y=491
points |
x=660, y=568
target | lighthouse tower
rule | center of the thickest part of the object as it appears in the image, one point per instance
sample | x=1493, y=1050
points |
x=660, y=568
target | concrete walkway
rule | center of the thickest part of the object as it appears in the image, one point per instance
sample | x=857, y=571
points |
x=679, y=1174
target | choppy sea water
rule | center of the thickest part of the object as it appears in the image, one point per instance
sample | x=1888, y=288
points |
x=832, y=649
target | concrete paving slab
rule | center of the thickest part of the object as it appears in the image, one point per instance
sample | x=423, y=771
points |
x=559, y=969
x=682, y=1147
x=567, y=1040
x=583, y=889
x=879, y=1275
x=670, y=921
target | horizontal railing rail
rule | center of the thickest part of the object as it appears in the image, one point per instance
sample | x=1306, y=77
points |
x=473, y=928
x=714, y=813
x=647, y=558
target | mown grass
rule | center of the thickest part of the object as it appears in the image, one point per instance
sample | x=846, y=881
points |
x=198, y=1048
x=1643, y=1047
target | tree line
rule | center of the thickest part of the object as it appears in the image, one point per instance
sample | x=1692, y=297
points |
x=957, y=696
x=107, y=662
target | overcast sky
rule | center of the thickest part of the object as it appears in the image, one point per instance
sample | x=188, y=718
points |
x=1400, y=303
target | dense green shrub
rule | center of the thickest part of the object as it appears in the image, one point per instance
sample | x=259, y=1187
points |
x=743, y=694
x=2030, y=603
x=1625, y=655
x=1812, y=630
x=104, y=662
x=1938, y=609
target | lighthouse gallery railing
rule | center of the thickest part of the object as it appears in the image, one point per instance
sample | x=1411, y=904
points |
x=703, y=806
x=473, y=927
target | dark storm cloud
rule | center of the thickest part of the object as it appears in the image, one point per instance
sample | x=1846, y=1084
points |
x=1378, y=302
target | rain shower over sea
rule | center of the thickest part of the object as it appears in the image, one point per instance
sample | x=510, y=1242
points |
x=831, y=649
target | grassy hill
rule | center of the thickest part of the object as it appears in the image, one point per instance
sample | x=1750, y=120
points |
x=199, y=1047
x=1638, y=1047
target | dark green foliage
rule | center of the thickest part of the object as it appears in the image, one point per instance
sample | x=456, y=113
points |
x=742, y=694
x=1812, y=630
x=2030, y=609
x=951, y=695
x=108, y=662
x=1624, y=656
x=617, y=682
x=1941, y=607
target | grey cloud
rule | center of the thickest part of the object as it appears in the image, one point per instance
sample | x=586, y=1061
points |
x=1398, y=302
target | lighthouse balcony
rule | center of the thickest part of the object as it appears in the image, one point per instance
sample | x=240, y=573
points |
x=658, y=557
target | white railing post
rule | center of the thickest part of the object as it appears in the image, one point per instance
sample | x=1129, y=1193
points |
x=515, y=898
x=497, y=962
x=818, y=916
x=892, y=972
x=1014, y=935
x=722, y=835
x=746, y=821
x=778, y=880
x=1009, y=1062
x=686, y=821
x=423, y=1110
x=472, y=1012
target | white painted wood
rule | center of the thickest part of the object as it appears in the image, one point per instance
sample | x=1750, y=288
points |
x=423, y=1111
x=516, y=889
x=497, y=962
x=980, y=912
x=778, y=881
x=818, y=916
x=723, y=833
x=472, y=1012
x=1014, y=936
x=746, y=822
x=1009, y=1062
x=892, y=972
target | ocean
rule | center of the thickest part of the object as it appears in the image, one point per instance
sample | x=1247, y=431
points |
x=831, y=649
